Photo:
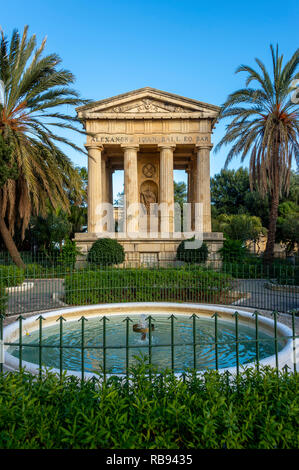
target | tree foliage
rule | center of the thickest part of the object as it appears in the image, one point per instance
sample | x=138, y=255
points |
x=51, y=230
x=8, y=169
x=241, y=227
x=264, y=125
x=36, y=87
x=230, y=194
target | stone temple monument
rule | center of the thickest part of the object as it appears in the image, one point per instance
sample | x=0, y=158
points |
x=147, y=133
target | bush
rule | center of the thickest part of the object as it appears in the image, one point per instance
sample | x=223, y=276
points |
x=213, y=411
x=11, y=276
x=3, y=300
x=197, y=255
x=233, y=250
x=35, y=271
x=288, y=275
x=68, y=255
x=252, y=267
x=105, y=252
x=192, y=284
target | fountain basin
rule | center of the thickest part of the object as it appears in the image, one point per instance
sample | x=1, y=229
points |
x=159, y=312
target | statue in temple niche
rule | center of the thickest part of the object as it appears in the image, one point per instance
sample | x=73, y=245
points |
x=148, y=197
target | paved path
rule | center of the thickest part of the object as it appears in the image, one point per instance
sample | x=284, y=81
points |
x=43, y=295
x=262, y=298
x=46, y=293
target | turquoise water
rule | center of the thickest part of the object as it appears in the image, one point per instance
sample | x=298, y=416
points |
x=161, y=355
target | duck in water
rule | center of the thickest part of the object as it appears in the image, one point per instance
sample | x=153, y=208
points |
x=142, y=327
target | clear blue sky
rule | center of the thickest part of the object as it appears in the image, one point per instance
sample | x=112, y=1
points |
x=187, y=47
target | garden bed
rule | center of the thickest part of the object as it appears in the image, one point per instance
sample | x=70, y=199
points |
x=258, y=409
x=147, y=285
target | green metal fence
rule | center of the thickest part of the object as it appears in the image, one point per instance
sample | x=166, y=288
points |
x=49, y=282
x=149, y=346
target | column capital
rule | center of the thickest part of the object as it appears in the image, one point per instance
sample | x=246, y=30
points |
x=167, y=146
x=130, y=146
x=203, y=147
x=94, y=145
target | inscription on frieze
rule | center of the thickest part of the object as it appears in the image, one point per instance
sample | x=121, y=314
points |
x=158, y=139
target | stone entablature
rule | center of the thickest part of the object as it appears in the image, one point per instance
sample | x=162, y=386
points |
x=118, y=138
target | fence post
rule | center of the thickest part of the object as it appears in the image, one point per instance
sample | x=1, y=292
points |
x=61, y=320
x=294, y=341
x=257, y=349
x=104, y=320
x=275, y=313
x=150, y=343
x=194, y=316
x=236, y=315
x=20, y=318
x=216, y=315
x=83, y=320
x=1, y=338
x=172, y=318
x=127, y=320
x=40, y=320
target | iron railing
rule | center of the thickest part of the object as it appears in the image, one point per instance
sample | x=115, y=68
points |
x=149, y=346
x=49, y=282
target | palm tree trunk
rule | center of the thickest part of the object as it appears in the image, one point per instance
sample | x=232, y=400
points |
x=10, y=245
x=269, y=251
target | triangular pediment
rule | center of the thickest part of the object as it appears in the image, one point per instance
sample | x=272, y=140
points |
x=146, y=101
x=147, y=105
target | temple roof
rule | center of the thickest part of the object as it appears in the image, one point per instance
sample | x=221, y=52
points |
x=147, y=103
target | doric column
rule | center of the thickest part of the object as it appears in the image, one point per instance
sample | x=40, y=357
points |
x=131, y=188
x=166, y=189
x=110, y=184
x=193, y=173
x=203, y=192
x=188, y=171
x=94, y=189
x=104, y=180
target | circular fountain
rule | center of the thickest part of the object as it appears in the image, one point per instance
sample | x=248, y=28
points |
x=154, y=329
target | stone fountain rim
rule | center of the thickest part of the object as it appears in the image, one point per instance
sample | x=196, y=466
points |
x=73, y=313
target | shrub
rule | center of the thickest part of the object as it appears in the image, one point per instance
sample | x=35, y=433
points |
x=253, y=268
x=68, y=255
x=11, y=276
x=288, y=275
x=192, y=255
x=106, y=251
x=259, y=409
x=233, y=250
x=146, y=285
x=3, y=300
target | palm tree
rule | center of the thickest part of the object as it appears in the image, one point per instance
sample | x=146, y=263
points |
x=265, y=126
x=35, y=87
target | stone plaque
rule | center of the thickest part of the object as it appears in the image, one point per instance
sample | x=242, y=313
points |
x=149, y=170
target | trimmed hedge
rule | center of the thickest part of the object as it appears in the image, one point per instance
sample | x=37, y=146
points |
x=145, y=285
x=192, y=255
x=105, y=252
x=214, y=411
